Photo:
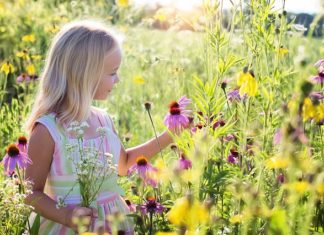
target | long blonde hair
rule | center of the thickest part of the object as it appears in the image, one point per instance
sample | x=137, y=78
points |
x=72, y=71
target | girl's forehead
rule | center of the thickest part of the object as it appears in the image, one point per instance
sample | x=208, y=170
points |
x=113, y=59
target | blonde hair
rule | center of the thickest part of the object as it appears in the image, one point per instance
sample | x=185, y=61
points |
x=72, y=71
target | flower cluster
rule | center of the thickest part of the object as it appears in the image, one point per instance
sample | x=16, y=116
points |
x=92, y=166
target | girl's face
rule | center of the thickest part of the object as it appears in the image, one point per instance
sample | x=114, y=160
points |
x=109, y=76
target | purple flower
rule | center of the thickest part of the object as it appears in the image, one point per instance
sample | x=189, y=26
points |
x=320, y=77
x=184, y=163
x=281, y=178
x=277, y=137
x=319, y=63
x=143, y=169
x=152, y=206
x=23, y=78
x=218, y=123
x=234, y=95
x=22, y=144
x=229, y=137
x=178, y=114
x=316, y=95
x=233, y=157
x=14, y=158
x=132, y=207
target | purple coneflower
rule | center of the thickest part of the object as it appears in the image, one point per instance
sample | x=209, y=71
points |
x=132, y=207
x=234, y=95
x=184, y=163
x=152, y=206
x=319, y=63
x=178, y=114
x=316, y=95
x=143, y=169
x=233, y=157
x=229, y=137
x=23, y=78
x=22, y=144
x=14, y=158
x=320, y=77
x=277, y=137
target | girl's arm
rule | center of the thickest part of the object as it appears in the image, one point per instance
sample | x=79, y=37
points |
x=40, y=150
x=148, y=149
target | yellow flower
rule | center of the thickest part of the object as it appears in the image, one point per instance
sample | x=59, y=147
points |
x=122, y=3
x=235, y=219
x=52, y=29
x=190, y=214
x=7, y=68
x=36, y=57
x=31, y=69
x=160, y=16
x=23, y=54
x=300, y=186
x=320, y=189
x=319, y=112
x=308, y=109
x=28, y=38
x=248, y=84
x=277, y=162
x=138, y=79
x=283, y=51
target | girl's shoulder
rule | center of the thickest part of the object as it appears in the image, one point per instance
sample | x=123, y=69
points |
x=104, y=116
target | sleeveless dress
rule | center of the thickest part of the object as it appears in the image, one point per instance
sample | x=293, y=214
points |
x=62, y=177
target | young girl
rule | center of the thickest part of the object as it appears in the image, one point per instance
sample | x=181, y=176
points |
x=81, y=66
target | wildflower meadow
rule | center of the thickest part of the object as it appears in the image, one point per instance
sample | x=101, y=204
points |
x=242, y=88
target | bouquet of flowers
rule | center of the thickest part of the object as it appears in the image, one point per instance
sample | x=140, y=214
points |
x=92, y=165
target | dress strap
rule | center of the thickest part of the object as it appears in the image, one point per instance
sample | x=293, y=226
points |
x=49, y=121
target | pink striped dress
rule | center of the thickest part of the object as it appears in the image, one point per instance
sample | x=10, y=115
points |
x=62, y=177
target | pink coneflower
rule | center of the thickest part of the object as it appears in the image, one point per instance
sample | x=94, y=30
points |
x=320, y=77
x=23, y=78
x=319, y=63
x=14, y=158
x=152, y=206
x=184, y=163
x=316, y=95
x=131, y=206
x=233, y=157
x=178, y=114
x=277, y=137
x=22, y=144
x=143, y=169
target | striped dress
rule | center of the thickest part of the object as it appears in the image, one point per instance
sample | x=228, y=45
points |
x=62, y=178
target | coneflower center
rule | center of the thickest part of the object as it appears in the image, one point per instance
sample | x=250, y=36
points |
x=141, y=161
x=12, y=150
x=22, y=140
x=321, y=74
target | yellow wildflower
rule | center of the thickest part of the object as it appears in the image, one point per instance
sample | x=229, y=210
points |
x=277, y=162
x=300, y=186
x=160, y=16
x=319, y=112
x=52, y=29
x=31, y=69
x=28, y=38
x=36, y=57
x=7, y=68
x=283, y=51
x=188, y=213
x=235, y=219
x=122, y=3
x=138, y=79
x=248, y=84
x=23, y=54
x=308, y=109
x=320, y=189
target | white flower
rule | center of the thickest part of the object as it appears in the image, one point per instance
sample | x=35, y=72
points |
x=299, y=27
x=102, y=131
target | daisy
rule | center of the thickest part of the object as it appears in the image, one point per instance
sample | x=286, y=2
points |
x=15, y=158
x=178, y=114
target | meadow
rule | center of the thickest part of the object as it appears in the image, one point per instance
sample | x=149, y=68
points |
x=252, y=163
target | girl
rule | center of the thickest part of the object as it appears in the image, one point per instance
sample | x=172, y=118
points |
x=81, y=66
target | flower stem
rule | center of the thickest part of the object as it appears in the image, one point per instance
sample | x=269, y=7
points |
x=157, y=139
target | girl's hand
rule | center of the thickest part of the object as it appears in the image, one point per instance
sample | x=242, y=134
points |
x=88, y=214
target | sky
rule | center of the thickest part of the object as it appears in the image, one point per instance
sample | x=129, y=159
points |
x=296, y=6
